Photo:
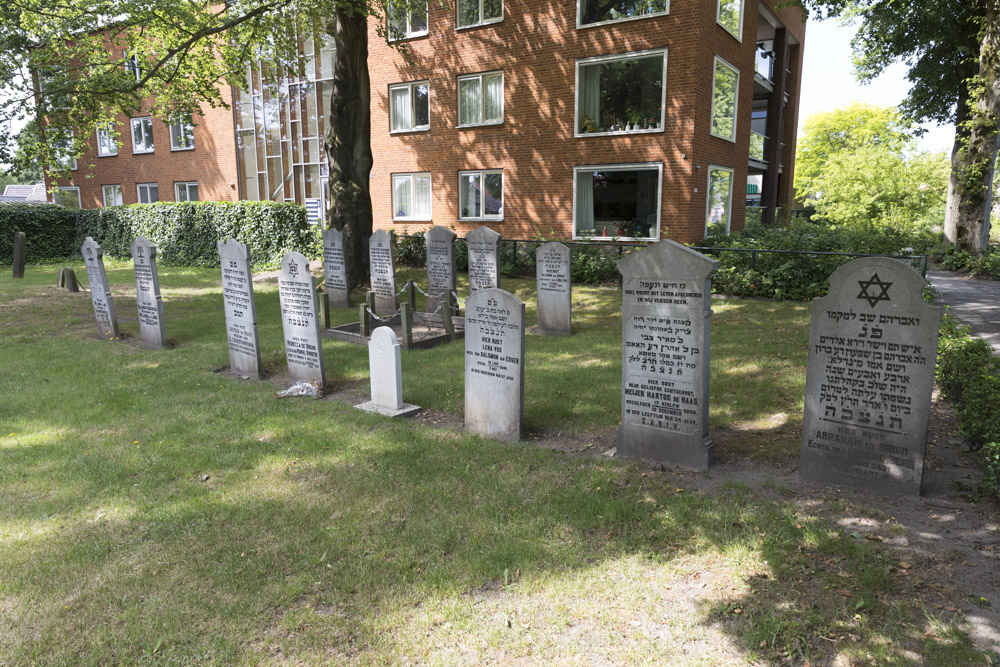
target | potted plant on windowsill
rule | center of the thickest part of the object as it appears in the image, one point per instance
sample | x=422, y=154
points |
x=588, y=125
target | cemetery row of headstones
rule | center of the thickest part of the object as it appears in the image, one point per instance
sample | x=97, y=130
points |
x=872, y=348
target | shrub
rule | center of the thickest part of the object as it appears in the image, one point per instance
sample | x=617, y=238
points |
x=978, y=415
x=961, y=359
x=410, y=249
x=989, y=457
x=50, y=232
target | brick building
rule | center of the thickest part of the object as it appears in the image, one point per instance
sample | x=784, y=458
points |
x=631, y=118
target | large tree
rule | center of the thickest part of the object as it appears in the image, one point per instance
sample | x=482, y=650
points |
x=952, y=49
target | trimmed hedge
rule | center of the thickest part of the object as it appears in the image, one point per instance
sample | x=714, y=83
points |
x=184, y=234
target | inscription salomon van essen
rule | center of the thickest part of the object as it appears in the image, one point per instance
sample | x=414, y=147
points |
x=872, y=349
x=300, y=321
x=100, y=292
x=241, y=311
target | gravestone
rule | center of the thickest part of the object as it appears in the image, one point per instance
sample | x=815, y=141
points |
x=100, y=291
x=666, y=311
x=300, y=320
x=337, y=293
x=484, y=259
x=383, y=270
x=440, y=245
x=554, y=290
x=494, y=364
x=152, y=332
x=386, y=376
x=872, y=349
x=241, y=311
x=19, y=254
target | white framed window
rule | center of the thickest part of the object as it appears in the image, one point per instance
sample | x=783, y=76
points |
x=106, y=144
x=142, y=134
x=148, y=193
x=63, y=159
x=730, y=17
x=480, y=194
x=617, y=201
x=409, y=107
x=112, y=195
x=411, y=196
x=725, y=93
x=407, y=19
x=67, y=196
x=186, y=191
x=720, y=200
x=480, y=99
x=621, y=94
x=182, y=134
x=471, y=13
x=595, y=12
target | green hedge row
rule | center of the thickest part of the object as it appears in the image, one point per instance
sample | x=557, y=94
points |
x=968, y=373
x=184, y=233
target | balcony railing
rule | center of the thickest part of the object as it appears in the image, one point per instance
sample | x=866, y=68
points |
x=764, y=64
x=757, y=146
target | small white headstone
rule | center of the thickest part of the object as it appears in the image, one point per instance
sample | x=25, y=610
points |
x=241, y=311
x=386, y=376
x=147, y=294
x=300, y=320
x=100, y=291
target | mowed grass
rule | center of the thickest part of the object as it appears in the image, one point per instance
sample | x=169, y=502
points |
x=155, y=511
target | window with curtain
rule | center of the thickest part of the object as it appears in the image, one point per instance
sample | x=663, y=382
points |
x=112, y=195
x=479, y=12
x=182, y=133
x=148, y=192
x=480, y=99
x=480, y=195
x=142, y=135
x=725, y=89
x=593, y=12
x=411, y=196
x=407, y=19
x=409, y=107
x=621, y=94
x=730, y=17
x=720, y=200
x=186, y=191
x=617, y=201
x=106, y=144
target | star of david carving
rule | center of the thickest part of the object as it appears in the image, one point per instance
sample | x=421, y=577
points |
x=293, y=268
x=866, y=293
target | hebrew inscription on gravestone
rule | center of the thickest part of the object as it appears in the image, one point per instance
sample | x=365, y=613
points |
x=383, y=270
x=241, y=311
x=872, y=349
x=147, y=294
x=100, y=291
x=441, y=276
x=335, y=269
x=484, y=259
x=554, y=289
x=666, y=311
x=300, y=320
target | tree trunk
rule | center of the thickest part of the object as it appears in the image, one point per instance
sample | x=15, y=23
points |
x=348, y=140
x=957, y=152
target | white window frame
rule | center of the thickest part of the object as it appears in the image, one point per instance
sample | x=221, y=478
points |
x=186, y=185
x=580, y=25
x=138, y=192
x=482, y=22
x=482, y=179
x=482, y=98
x=111, y=140
x=409, y=32
x=132, y=123
x=718, y=19
x=413, y=192
x=621, y=56
x=736, y=98
x=67, y=188
x=411, y=86
x=180, y=124
x=729, y=201
x=104, y=194
x=632, y=166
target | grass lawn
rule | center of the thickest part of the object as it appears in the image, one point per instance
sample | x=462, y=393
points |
x=155, y=511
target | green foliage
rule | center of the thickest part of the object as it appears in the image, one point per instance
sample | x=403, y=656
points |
x=185, y=234
x=978, y=415
x=960, y=357
x=984, y=265
x=989, y=458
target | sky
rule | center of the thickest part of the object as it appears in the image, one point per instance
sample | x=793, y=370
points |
x=828, y=81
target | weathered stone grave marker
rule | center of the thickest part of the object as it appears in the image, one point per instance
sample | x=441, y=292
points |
x=383, y=270
x=241, y=311
x=20, y=242
x=300, y=320
x=440, y=245
x=484, y=259
x=335, y=269
x=666, y=311
x=100, y=291
x=386, y=376
x=872, y=349
x=152, y=331
x=494, y=364
x=66, y=279
x=554, y=289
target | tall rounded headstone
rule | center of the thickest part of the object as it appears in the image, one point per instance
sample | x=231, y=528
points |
x=554, y=289
x=383, y=271
x=666, y=311
x=148, y=301
x=335, y=269
x=441, y=277
x=20, y=241
x=484, y=259
x=100, y=291
x=241, y=311
x=872, y=350
x=300, y=320
x=494, y=365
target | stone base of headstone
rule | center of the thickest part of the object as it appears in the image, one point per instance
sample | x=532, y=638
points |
x=652, y=448
x=406, y=411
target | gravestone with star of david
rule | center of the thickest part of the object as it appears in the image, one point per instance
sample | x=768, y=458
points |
x=149, y=303
x=300, y=320
x=100, y=291
x=872, y=349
